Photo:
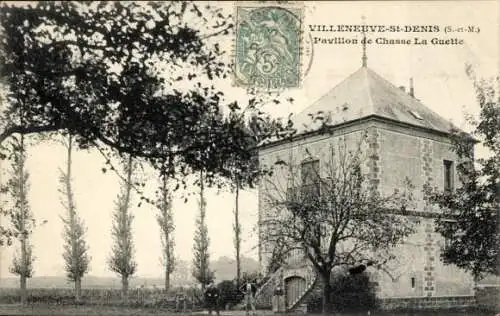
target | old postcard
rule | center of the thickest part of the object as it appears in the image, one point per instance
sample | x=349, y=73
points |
x=249, y=157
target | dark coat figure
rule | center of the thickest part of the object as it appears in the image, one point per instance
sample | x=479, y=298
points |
x=180, y=303
x=212, y=295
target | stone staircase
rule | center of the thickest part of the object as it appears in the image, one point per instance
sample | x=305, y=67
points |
x=264, y=295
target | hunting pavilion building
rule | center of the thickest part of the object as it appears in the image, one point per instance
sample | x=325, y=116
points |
x=406, y=140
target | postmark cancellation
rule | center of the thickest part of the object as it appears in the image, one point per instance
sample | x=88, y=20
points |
x=268, y=44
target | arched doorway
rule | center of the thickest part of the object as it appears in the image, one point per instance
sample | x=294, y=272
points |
x=295, y=287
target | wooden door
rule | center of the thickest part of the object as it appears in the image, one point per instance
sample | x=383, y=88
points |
x=294, y=289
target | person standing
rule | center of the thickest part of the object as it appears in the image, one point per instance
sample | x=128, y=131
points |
x=212, y=298
x=180, y=302
x=278, y=300
x=249, y=290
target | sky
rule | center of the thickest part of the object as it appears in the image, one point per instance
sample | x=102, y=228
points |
x=440, y=83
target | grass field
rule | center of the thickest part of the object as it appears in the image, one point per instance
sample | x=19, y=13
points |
x=47, y=309
x=106, y=302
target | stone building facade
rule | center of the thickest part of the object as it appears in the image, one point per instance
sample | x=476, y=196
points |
x=405, y=140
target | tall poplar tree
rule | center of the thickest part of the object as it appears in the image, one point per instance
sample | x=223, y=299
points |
x=237, y=229
x=166, y=222
x=75, y=247
x=21, y=216
x=201, y=260
x=122, y=260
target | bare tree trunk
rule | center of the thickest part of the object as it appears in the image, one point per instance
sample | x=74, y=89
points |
x=165, y=220
x=237, y=234
x=24, y=267
x=78, y=289
x=167, y=279
x=24, y=233
x=327, y=289
x=124, y=288
x=24, y=293
x=71, y=210
x=201, y=269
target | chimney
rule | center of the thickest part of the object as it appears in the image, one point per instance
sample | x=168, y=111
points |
x=402, y=88
x=412, y=90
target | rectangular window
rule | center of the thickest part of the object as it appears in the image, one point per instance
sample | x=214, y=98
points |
x=310, y=171
x=310, y=177
x=451, y=225
x=448, y=175
x=447, y=243
x=413, y=282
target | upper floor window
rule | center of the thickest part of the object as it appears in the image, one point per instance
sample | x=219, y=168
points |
x=310, y=177
x=448, y=175
x=451, y=227
x=447, y=243
x=310, y=171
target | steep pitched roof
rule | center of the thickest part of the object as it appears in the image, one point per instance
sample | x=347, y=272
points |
x=365, y=93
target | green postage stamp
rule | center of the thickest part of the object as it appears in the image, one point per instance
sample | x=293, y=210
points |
x=268, y=46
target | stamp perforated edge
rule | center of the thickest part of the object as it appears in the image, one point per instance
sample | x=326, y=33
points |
x=278, y=4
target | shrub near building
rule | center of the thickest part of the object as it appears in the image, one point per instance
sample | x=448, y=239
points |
x=229, y=294
x=350, y=293
x=353, y=293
